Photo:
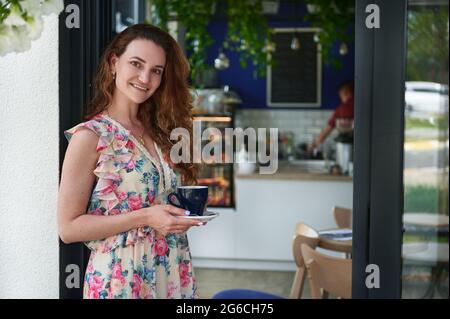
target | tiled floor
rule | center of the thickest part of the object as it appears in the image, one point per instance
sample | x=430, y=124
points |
x=279, y=283
x=211, y=281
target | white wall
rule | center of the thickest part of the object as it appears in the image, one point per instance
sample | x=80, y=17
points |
x=29, y=169
x=258, y=233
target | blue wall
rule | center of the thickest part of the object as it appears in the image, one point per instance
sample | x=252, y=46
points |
x=253, y=91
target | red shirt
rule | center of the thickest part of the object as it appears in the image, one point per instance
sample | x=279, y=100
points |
x=345, y=110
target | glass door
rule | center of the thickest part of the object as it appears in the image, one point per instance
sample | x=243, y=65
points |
x=426, y=208
x=400, y=209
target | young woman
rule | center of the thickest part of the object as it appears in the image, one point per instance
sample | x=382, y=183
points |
x=117, y=166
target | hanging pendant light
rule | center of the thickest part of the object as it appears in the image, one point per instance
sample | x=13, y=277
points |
x=270, y=47
x=221, y=62
x=316, y=38
x=295, y=43
x=343, y=49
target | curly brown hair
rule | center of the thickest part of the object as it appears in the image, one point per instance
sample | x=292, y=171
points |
x=169, y=107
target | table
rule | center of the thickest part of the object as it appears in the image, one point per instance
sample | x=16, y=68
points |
x=426, y=219
x=426, y=224
x=344, y=246
x=435, y=254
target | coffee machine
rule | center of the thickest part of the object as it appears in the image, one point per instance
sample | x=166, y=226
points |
x=344, y=146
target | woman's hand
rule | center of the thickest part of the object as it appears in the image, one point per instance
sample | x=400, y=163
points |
x=163, y=218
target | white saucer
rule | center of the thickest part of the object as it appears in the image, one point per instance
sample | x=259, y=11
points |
x=207, y=217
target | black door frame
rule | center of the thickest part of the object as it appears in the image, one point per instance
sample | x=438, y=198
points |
x=379, y=135
x=79, y=53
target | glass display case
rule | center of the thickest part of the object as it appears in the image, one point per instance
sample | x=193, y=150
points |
x=218, y=176
x=214, y=108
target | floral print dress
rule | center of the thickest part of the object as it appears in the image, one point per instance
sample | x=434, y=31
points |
x=139, y=263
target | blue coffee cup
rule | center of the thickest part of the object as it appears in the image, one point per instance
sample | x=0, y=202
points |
x=191, y=198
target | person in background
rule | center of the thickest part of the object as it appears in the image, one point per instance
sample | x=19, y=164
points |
x=345, y=111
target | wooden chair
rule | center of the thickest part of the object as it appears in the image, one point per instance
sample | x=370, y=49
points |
x=306, y=235
x=343, y=217
x=329, y=274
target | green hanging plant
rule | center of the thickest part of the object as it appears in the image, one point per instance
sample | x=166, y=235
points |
x=334, y=18
x=195, y=16
x=248, y=34
x=159, y=13
x=247, y=31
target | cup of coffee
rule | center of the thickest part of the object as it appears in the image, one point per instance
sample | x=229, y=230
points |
x=191, y=198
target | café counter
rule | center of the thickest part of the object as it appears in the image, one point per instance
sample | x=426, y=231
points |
x=257, y=233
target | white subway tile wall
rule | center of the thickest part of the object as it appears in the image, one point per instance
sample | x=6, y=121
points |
x=305, y=124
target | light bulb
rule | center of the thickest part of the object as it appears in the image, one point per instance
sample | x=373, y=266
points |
x=270, y=47
x=343, y=50
x=222, y=62
x=295, y=43
x=316, y=38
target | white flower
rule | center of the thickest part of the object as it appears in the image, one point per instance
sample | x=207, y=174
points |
x=35, y=26
x=6, y=43
x=14, y=17
x=32, y=7
x=24, y=23
x=20, y=39
x=52, y=6
x=14, y=39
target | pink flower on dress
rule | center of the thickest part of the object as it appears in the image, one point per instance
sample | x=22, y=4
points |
x=151, y=197
x=131, y=164
x=101, y=145
x=130, y=145
x=171, y=287
x=93, y=293
x=109, y=128
x=137, y=283
x=90, y=267
x=185, y=280
x=97, y=212
x=114, y=211
x=184, y=275
x=161, y=246
x=110, y=187
x=119, y=137
x=95, y=282
x=135, y=201
x=121, y=195
x=183, y=268
x=117, y=271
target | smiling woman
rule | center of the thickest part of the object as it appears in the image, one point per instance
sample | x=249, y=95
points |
x=138, y=62
x=117, y=166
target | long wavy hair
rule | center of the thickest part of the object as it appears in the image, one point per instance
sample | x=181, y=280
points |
x=169, y=107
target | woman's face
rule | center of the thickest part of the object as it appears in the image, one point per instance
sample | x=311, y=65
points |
x=139, y=69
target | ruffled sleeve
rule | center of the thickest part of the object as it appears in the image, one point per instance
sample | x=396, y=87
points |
x=113, y=156
x=111, y=194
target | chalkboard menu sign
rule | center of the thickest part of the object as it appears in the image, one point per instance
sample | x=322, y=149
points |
x=295, y=78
